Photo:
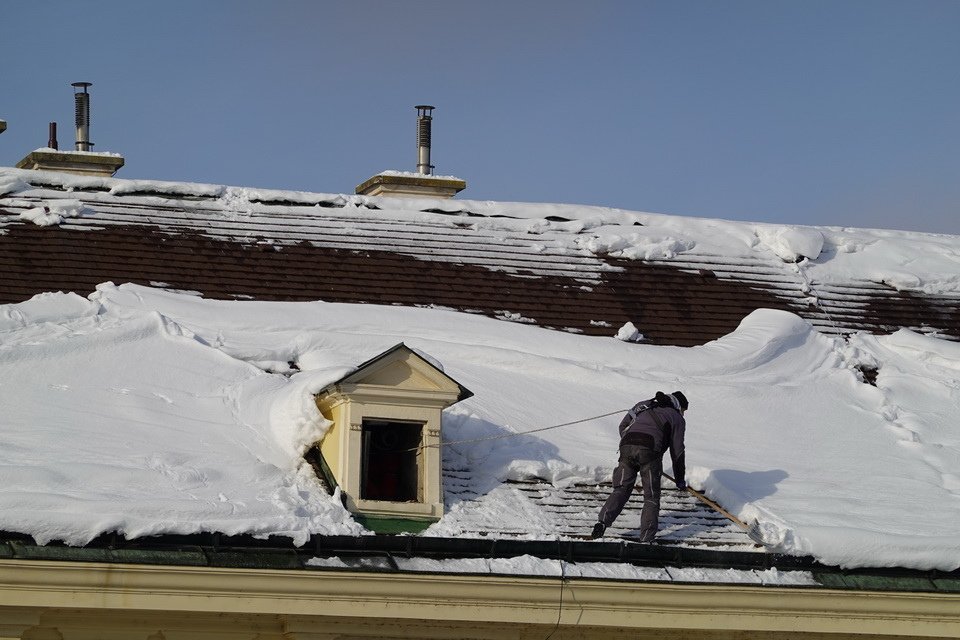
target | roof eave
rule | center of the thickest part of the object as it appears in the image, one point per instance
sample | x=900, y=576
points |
x=468, y=601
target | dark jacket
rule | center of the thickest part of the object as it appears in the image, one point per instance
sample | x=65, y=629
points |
x=654, y=426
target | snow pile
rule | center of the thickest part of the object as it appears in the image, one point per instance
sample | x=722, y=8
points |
x=241, y=198
x=635, y=246
x=12, y=183
x=629, y=333
x=791, y=243
x=145, y=411
x=930, y=266
x=53, y=212
x=48, y=310
x=78, y=182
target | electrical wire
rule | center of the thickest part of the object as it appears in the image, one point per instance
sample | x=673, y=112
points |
x=808, y=283
x=563, y=579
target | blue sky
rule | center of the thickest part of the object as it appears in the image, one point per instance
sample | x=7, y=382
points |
x=838, y=112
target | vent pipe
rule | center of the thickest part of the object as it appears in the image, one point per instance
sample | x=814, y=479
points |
x=52, y=138
x=424, y=118
x=82, y=99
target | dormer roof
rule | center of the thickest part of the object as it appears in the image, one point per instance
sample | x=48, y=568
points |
x=390, y=370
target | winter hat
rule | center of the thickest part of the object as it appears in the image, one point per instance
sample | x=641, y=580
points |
x=680, y=400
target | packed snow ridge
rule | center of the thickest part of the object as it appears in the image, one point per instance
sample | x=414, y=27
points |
x=147, y=412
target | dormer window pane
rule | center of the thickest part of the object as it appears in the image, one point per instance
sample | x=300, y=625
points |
x=390, y=468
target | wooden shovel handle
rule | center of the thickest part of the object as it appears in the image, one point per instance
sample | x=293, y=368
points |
x=710, y=503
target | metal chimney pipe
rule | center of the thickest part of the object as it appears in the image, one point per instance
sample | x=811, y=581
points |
x=82, y=99
x=52, y=140
x=424, y=118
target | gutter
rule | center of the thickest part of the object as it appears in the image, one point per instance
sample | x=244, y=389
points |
x=213, y=546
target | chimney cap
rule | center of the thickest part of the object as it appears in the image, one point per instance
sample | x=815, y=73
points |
x=81, y=85
x=424, y=106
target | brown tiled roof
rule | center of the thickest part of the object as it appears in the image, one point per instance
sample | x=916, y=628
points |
x=683, y=519
x=329, y=251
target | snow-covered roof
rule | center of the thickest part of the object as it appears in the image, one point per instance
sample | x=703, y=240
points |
x=591, y=270
x=145, y=411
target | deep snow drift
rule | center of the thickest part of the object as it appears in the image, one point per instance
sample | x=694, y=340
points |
x=145, y=411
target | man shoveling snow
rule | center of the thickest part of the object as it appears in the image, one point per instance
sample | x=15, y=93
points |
x=646, y=432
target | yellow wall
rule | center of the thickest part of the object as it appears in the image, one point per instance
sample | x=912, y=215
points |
x=332, y=442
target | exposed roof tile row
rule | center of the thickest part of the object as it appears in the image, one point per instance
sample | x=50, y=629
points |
x=573, y=509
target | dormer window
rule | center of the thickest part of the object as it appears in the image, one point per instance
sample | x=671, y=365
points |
x=383, y=449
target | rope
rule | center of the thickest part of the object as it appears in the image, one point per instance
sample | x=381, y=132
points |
x=512, y=435
x=816, y=296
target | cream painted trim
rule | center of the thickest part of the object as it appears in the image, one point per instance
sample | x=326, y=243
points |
x=431, y=511
x=375, y=394
x=475, y=599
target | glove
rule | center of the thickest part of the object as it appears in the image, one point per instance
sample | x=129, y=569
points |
x=682, y=486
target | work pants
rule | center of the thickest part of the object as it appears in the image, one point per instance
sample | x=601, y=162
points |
x=636, y=460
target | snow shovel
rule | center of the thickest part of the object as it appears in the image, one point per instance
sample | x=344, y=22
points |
x=753, y=531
